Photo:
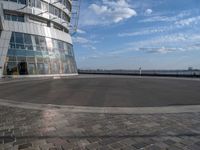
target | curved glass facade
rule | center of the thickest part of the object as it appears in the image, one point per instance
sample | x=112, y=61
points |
x=43, y=5
x=36, y=42
x=35, y=55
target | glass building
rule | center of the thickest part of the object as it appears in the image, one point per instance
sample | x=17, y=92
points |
x=35, y=39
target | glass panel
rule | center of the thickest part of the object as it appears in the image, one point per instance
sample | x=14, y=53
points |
x=60, y=46
x=28, y=42
x=32, y=3
x=37, y=43
x=22, y=1
x=31, y=59
x=30, y=53
x=12, y=45
x=44, y=6
x=20, y=52
x=42, y=43
x=13, y=1
x=14, y=18
x=51, y=9
x=65, y=46
x=56, y=10
x=11, y=68
x=22, y=67
x=46, y=68
x=39, y=60
x=41, y=68
x=21, y=18
x=49, y=44
x=21, y=59
x=56, y=60
x=31, y=69
x=12, y=58
x=27, y=39
x=11, y=52
x=62, y=57
x=7, y=17
x=65, y=67
x=38, y=54
x=38, y=3
x=19, y=39
x=46, y=60
x=55, y=67
x=12, y=40
x=65, y=17
x=55, y=45
x=70, y=50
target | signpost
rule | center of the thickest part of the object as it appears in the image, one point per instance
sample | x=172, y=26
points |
x=140, y=70
x=1, y=71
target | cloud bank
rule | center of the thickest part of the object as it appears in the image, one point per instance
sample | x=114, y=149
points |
x=107, y=12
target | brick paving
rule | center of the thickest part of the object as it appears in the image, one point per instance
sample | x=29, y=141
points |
x=52, y=129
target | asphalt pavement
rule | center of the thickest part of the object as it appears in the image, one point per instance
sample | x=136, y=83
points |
x=105, y=91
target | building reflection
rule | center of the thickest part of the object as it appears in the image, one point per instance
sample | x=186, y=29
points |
x=35, y=55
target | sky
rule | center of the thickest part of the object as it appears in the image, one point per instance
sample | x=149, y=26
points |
x=129, y=34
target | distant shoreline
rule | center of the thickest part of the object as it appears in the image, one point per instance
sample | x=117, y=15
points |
x=164, y=73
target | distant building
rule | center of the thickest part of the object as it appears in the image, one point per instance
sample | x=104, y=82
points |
x=35, y=39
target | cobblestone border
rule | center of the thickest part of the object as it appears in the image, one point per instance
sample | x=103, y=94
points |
x=28, y=129
x=107, y=110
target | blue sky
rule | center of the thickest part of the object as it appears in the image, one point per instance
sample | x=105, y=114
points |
x=128, y=34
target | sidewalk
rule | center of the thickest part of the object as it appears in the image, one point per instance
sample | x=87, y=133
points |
x=51, y=129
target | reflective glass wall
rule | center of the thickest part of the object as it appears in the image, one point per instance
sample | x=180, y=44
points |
x=48, y=7
x=37, y=55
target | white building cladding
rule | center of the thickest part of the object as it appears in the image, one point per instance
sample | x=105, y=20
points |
x=35, y=39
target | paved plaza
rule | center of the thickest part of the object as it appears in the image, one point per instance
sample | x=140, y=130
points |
x=54, y=129
x=104, y=91
x=34, y=125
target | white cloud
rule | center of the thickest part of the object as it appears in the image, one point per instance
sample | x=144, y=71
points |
x=188, y=21
x=89, y=46
x=164, y=44
x=162, y=50
x=80, y=31
x=109, y=11
x=143, y=32
x=81, y=40
x=84, y=42
x=148, y=11
x=165, y=18
x=168, y=43
x=116, y=3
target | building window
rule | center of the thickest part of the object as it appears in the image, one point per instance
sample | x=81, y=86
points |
x=13, y=17
x=13, y=0
x=66, y=4
x=65, y=17
x=18, y=1
x=11, y=68
x=22, y=2
x=19, y=39
x=38, y=3
x=33, y=54
x=45, y=6
x=28, y=42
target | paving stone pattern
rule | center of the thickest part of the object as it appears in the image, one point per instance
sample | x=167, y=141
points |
x=26, y=129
